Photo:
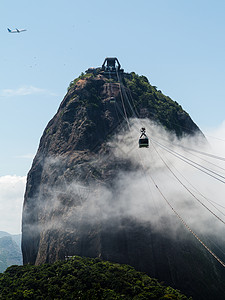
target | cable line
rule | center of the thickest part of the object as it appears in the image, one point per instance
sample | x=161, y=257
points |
x=209, y=162
x=111, y=93
x=176, y=213
x=204, y=153
x=197, y=191
x=186, y=225
x=190, y=162
x=126, y=118
x=190, y=130
x=177, y=154
x=126, y=96
x=194, y=150
x=194, y=162
x=187, y=188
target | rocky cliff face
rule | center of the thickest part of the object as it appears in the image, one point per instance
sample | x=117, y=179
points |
x=74, y=201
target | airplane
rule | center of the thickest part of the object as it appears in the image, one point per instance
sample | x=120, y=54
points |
x=16, y=30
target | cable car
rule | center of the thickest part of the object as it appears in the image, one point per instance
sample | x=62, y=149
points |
x=143, y=140
x=112, y=100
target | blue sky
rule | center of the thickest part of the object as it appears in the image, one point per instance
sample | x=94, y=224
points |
x=179, y=45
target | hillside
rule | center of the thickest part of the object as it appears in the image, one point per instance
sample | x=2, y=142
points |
x=15, y=237
x=10, y=251
x=81, y=278
x=87, y=192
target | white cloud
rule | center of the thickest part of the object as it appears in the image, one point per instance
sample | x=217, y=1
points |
x=11, y=201
x=216, y=138
x=135, y=195
x=26, y=156
x=24, y=91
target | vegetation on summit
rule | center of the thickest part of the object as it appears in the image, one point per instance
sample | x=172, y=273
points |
x=161, y=108
x=81, y=278
x=144, y=96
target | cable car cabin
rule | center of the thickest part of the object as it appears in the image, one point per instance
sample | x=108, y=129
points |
x=143, y=142
x=112, y=100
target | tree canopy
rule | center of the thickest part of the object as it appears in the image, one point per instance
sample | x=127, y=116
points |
x=81, y=278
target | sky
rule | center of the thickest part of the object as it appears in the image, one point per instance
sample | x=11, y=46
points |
x=178, y=45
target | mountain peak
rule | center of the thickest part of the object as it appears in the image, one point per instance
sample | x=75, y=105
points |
x=99, y=101
x=85, y=190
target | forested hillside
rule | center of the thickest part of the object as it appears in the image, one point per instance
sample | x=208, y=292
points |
x=82, y=278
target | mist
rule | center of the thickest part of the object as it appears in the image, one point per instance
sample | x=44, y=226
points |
x=11, y=198
x=137, y=194
x=156, y=165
